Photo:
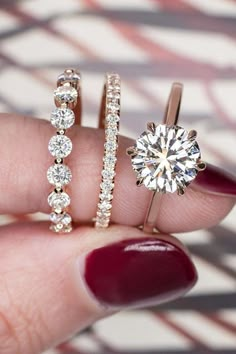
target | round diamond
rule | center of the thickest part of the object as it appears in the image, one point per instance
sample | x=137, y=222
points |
x=104, y=206
x=60, y=146
x=112, y=118
x=165, y=160
x=113, y=94
x=110, y=145
x=113, y=106
x=62, y=118
x=109, y=161
x=106, y=196
x=59, y=175
x=63, y=218
x=108, y=174
x=111, y=133
x=65, y=94
x=58, y=201
x=106, y=186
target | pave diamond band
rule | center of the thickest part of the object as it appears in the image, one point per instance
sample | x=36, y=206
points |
x=166, y=157
x=108, y=120
x=68, y=105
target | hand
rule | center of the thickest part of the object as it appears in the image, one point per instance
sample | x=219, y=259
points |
x=54, y=285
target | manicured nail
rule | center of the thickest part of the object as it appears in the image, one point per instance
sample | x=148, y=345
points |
x=217, y=181
x=138, y=272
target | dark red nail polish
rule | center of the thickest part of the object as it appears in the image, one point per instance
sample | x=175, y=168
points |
x=217, y=181
x=138, y=272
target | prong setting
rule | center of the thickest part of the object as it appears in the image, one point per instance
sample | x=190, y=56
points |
x=151, y=127
x=201, y=166
x=192, y=134
x=168, y=158
x=60, y=146
x=130, y=150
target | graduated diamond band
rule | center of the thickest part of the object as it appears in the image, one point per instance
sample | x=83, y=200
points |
x=108, y=120
x=66, y=98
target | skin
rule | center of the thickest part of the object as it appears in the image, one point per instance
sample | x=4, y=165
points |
x=43, y=299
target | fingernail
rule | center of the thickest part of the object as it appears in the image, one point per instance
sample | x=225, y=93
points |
x=138, y=272
x=217, y=181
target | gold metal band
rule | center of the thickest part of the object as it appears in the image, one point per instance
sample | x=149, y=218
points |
x=109, y=120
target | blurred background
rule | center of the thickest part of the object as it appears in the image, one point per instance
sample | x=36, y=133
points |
x=150, y=43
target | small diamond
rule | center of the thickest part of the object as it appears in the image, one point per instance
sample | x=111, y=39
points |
x=113, y=86
x=107, y=196
x=108, y=174
x=104, y=206
x=113, y=106
x=112, y=118
x=65, y=94
x=58, y=201
x=113, y=94
x=102, y=223
x=62, y=118
x=63, y=218
x=166, y=160
x=105, y=215
x=60, y=146
x=110, y=145
x=111, y=133
x=59, y=175
x=109, y=161
x=106, y=186
x=113, y=80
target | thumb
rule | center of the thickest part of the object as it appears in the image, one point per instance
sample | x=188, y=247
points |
x=52, y=286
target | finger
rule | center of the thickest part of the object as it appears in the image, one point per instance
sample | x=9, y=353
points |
x=54, y=286
x=25, y=160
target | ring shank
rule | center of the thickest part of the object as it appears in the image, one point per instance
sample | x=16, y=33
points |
x=170, y=118
x=109, y=117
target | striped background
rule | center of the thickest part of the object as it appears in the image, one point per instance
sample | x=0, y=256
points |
x=150, y=43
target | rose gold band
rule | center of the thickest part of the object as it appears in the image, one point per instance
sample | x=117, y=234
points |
x=170, y=118
x=109, y=118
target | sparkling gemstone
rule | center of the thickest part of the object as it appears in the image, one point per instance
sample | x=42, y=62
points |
x=109, y=160
x=104, y=206
x=113, y=80
x=114, y=86
x=165, y=160
x=59, y=175
x=58, y=201
x=106, y=186
x=112, y=118
x=113, y=94
x=113, y=106
x=60, y=146
x=111, y=133
x=108, y=174
x=102, y=223
x=104, y=214
x=65, y=94
x=110, y=145
x=107, y=196
x=62, y=218
x=62, y=118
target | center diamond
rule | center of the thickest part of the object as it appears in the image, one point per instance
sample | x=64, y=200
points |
x=165, y=159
